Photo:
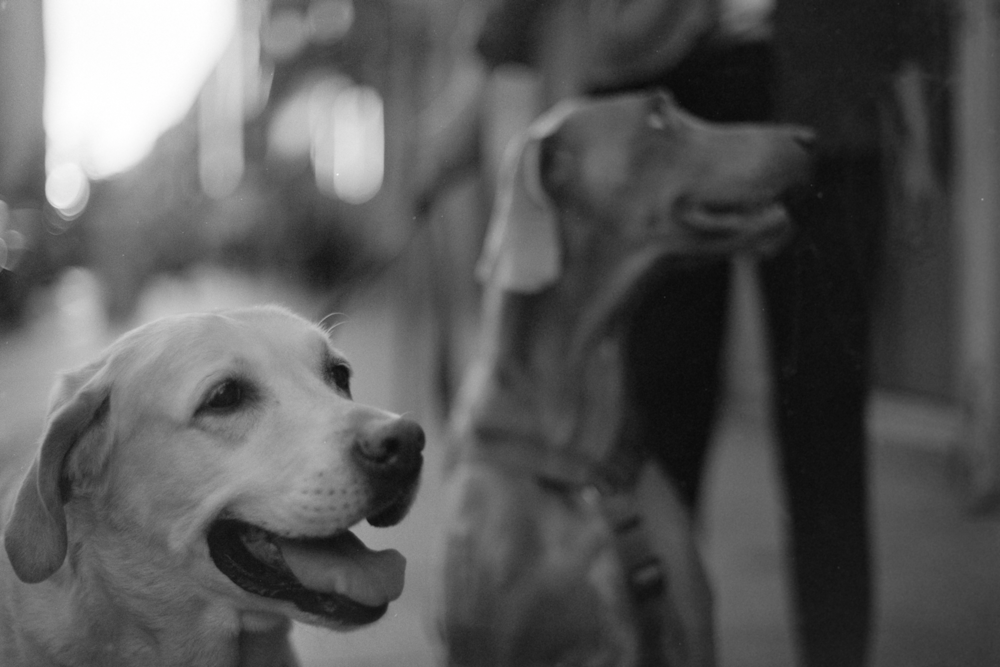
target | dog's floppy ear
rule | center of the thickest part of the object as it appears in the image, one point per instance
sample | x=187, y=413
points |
x=523, y=250
x=35, y=535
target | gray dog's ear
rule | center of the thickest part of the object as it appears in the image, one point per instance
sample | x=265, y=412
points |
x=35, y=535
x=523, y=250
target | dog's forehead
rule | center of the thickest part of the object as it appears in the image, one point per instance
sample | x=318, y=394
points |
x=615, y=114
x=279, y=325
x=597, y=149
x=608, y=131
x=602, y=122
x=180, y=346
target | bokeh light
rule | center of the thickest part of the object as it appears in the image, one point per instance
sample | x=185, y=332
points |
x=340, y=127
x=12, y=242
x=359, y=144
x=67, y=189
x=119, y=72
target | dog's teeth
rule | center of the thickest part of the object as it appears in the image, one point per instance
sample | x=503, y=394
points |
x=253, y=533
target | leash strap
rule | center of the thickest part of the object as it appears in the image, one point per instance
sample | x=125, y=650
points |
x=647, y=583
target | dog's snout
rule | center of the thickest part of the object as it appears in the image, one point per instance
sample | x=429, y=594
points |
x=390, y=447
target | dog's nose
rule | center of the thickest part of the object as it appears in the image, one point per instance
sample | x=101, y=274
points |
x=391, y=447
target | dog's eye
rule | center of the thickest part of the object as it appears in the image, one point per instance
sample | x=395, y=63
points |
x=339, y=375
x=226, y=396
x=660, y=116
x=658, y=120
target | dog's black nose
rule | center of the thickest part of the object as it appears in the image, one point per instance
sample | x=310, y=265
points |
x=391, y=447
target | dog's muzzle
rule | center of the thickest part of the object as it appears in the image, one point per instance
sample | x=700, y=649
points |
x=335, y=577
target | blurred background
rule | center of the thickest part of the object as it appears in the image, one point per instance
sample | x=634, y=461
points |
x=160, y=157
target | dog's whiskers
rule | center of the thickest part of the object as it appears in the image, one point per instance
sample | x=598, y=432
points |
x=329, y=328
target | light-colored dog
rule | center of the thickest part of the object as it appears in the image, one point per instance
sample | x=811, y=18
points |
x=564, y=547
x=193, y=492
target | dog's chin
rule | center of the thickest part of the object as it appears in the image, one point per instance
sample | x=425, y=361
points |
x=333, y=580
x=758, y=226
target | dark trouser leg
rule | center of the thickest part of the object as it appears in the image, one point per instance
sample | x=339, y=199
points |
x=673, y=349
x=817, y=293
x=818, y=317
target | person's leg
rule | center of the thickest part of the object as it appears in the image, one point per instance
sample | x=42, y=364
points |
x=817, y=293
x=676, y=336
x=673, y=349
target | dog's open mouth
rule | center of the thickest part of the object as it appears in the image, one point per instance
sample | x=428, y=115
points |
x=336, y=577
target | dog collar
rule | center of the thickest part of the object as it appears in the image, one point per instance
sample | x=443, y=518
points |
x=573, y=473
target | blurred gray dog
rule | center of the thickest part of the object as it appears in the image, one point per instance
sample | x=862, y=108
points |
x=562, y=546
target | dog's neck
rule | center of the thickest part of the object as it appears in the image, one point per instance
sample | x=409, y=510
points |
x=554, y=376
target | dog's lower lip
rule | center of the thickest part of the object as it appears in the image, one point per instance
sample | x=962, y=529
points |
x=395, y=510
x=735, y=207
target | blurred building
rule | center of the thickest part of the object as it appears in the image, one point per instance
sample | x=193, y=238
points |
x=22, y=154
x=294, y=157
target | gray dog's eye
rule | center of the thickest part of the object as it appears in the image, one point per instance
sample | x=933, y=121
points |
x=226, y=396
x=657, y=120
x=660, y=114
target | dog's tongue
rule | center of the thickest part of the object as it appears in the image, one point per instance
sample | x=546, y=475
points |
x=344, y=565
